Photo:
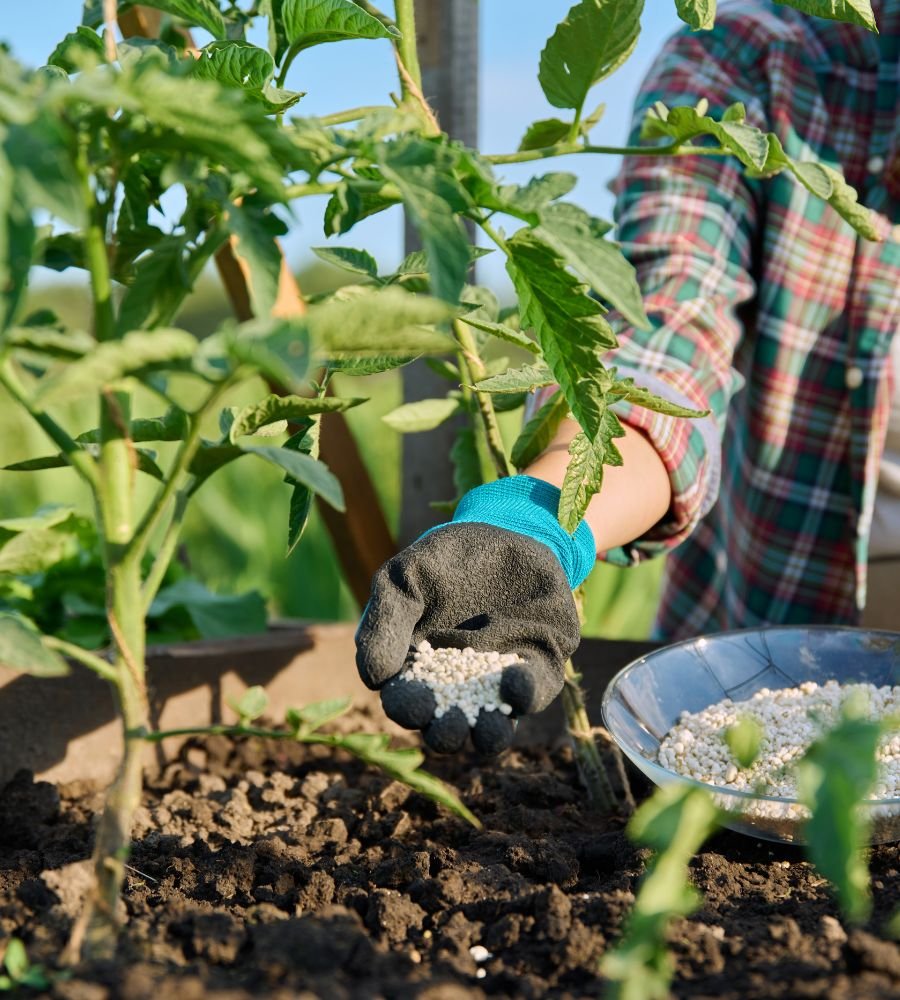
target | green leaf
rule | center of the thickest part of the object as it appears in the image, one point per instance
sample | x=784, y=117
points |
x=744, y=739
x=374, y=365
x=568, y=324
x=624, y=388
x=21, y=649
x=171, y=426
x=135, y=355
x=17, y=239
x=546, y=132
x=573, y=235
x=235, y=64
x=203, y=13
x=593, y=40
x=749, y=144
x=377, y=323
x=404, y=765
x=833, y=778
x=304, y=469
x=255, y=229
x=699, y=14
x=433, y=200
x=276, y=408
x=584, y=473
x=278, y=348
x=503, y=332
x=305, y=441
x=524, y=379
x=44, y=517
x=15, y=960
x=356, y=261
x=466, y=462
x=306, y=23
x=308, y=719
x=215, y=616
x=41, y=154
x=536, y=436
x=67, y=345
x=849, y=11
x=79, y=49
x=251, y=705
x=424, y=415
x=814, y=177
x=843, y=200
x=210, y=457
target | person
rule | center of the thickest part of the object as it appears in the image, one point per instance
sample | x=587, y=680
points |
x=766, y=309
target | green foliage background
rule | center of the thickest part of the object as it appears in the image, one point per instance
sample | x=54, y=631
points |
x=234, y=539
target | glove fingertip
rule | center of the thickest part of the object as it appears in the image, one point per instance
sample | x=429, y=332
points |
x=410, y=704
x=448, y=733
x=493, y=733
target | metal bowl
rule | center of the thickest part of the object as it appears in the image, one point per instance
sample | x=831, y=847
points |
x=645, y=699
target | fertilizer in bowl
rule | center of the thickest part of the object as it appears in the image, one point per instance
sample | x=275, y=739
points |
x=464, y=678
x=790, y=719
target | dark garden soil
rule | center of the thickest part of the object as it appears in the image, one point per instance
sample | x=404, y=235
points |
x=288, y=871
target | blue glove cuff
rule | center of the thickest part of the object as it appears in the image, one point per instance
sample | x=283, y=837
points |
x=528, y=506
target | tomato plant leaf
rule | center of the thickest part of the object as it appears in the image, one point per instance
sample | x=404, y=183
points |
x=215, y=616
x=235, y=64
x=21, y=649
x=539, y=431
x=546, y=132
x=80, y=48
x=255, y=229
x=276, y=408
x=584, y=473
x=624, y=388
x=355, y=261
x=305, y=721
x=385, y=322
x=202, y=13
x=849, y=11
x=423, y=415
x=251, y=704
x=304, y=24
x=303, y=469
x=136, y=355
x=278, y=348
x=17, y=240
x=573, y=234
x=744, y=739
x=433, y=199
x=523, y=379
x=592, y=41
x=171, y=426
x=833, y=778
x=699, y=14
x=305, y=441
x=568, y=325
x=374, y=365
x=503, y=332
x=466, y=462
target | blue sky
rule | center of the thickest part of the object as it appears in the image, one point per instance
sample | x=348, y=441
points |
x=350, y=74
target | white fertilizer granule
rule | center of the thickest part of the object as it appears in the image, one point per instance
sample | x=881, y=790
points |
x=790, y=720
x=463, y=678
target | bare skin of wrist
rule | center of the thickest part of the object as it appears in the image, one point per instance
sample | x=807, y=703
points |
x=635, y=495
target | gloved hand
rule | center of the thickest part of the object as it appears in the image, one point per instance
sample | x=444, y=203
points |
x=498, y=577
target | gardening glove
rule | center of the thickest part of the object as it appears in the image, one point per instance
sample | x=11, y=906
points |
x=499, y=577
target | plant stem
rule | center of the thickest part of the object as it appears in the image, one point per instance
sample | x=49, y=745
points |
x=310, y=188
x=97, y=256
x=587, y=754
x=165, y=552
x=83, y=656
x=407, y=44
x=353, y=114
x=76, y=456
x=565, y=148
x=477, y=371
x=186, y=451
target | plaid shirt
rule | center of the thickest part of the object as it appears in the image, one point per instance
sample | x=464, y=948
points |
x=769, y=311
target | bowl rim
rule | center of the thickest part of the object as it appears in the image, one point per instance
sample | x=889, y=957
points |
x=737, y=793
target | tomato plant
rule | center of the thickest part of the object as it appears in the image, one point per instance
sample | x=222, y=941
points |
x=93, y=145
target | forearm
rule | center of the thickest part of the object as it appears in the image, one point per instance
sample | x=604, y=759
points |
x=635, y=495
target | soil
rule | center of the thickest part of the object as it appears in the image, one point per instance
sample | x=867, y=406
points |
x=288, y=871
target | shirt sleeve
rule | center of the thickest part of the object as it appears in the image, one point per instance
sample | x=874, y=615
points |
x=686, y=224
